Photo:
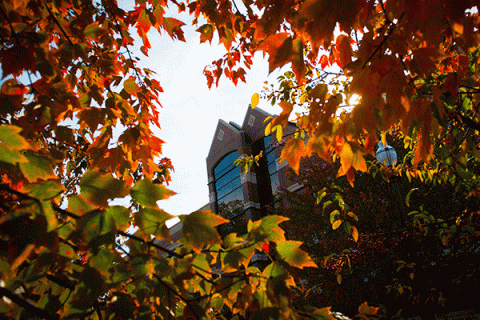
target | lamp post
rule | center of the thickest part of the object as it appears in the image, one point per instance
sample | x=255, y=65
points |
x=387, y=156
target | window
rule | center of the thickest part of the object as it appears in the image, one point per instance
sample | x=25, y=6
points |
x=228, y=187
x=220, y=135
x=271, y=163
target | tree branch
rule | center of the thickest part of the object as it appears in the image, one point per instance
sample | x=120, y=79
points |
x=41, y=313
x=58, y=24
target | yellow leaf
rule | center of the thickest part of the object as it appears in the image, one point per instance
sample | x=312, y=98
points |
x=336, y=224
x=353, y=157
x=339, y=278
x=384, y=138
x=279, y=134
x=254, y=100
x=268, y=129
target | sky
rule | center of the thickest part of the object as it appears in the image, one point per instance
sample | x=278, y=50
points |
x=191, y=111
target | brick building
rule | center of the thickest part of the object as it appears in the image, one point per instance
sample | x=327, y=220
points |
x=234, y=195
x=237, y=196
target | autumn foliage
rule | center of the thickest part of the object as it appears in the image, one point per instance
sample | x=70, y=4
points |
x=70, y=83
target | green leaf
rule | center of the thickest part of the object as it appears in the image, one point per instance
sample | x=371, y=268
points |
x=10, y=139
x=44, y=191
x=93, y=30
x=99, y=188
x=50, y=216
x=267, y=229
x=199, y=229
x=96, y=223
x=407, y=198
x=121, y=215
x=147, y=193
x=37, y=167
x=11, y=143
x=291, y=253
x=12, y=156
x=152, y=222
x=79, y=205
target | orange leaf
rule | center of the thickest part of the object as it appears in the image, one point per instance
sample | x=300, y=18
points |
x=354, y=233
x=279, y=49
x=174, y=28
x=367, y=310
x=353, y=157
x=293, y=152
x=206, y=33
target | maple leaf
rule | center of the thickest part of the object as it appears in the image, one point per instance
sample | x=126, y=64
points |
x=174, y=28
x=206, y=33
x=279, y=49
x=291, y=253
x=351, y=159
x=99, y=188
x=199, y=229
x=293, y=152
x=324, y=61
x=365, y=309
x=17, y=59
x=148, y=193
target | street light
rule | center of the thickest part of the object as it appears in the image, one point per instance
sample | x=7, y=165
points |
x=386, y=155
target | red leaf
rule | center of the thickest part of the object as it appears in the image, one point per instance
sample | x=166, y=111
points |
x=324, y=61
x=17, y=59
x=451, y=84
x=266, y=247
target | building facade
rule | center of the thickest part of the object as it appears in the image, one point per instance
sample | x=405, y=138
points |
x=233, y=194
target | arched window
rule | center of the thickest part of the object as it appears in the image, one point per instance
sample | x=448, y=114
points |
x=228, y=186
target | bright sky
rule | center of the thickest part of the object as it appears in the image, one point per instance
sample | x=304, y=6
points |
x=191, y=111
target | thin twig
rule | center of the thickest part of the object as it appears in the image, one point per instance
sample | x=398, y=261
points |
x=58, y=24
x=390, y=32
